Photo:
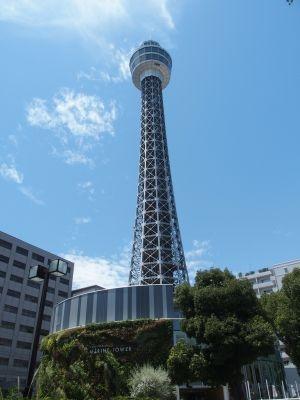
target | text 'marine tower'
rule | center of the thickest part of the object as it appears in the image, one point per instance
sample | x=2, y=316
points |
x=157, y=254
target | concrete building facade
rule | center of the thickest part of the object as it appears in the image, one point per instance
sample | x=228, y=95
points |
x=19, y=302
x=268, y=280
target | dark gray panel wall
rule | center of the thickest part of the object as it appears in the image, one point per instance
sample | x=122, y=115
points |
x=128, y=303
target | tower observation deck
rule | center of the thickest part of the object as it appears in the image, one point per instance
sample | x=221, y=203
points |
x=157, y=253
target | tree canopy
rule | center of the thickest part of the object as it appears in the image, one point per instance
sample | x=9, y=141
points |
x=283, y=311
x=227, y=321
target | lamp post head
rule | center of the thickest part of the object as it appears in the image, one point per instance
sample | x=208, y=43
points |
x=150, y=59
x=37, y=273
x=58, y=267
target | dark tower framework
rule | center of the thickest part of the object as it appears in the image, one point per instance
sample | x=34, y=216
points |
x=157, y=254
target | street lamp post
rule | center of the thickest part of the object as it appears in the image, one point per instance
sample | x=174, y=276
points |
x=39, y=273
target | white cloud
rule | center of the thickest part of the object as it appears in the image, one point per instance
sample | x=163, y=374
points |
x=72, y=14
x=110, y=272
x=118, y=72
x=103, y=23
x=90, y=18
x=10, y=173
x=75, y=157
x=78, y=114
x=82, y=220
x=78, y=120
x=199, y=249
x=27, y=192
x=106, y=272
x=198, y=257
x=87, y=187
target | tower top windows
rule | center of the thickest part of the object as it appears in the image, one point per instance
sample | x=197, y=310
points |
x=150, y=59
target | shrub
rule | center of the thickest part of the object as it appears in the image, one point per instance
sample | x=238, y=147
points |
x=150, y=382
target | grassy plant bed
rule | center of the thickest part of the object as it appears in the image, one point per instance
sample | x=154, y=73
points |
x=95, y=361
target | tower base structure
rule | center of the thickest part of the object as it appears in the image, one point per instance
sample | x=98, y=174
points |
x=138, y=325
x=111, y=305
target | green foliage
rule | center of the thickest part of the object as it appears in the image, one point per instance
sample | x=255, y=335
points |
x=152, y=383
x=283, y=311
x=130, y=398
x=13, y=394
x=70, y=370
x=180, y=363
x=225, y=317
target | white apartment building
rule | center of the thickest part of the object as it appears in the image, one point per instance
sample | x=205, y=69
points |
x=267, y=280
x=19, y=303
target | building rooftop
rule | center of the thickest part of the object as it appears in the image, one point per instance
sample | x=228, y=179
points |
x=86, y=289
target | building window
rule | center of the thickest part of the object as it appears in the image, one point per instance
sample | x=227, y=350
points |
x=64, y=281
x=4, y=259
x=19, y=264
x=62, y=294
x=11, y=309
x=2, y=274
x=37, y=257
x=5, y=342
x=32, y=299
x=48, y=303
x=33, y=284
x=15, y=278
x=13, y=293
x=46, y=317
x=8, y=325
x=23, y=345
x=286, y=271
x=3, y=361
x=28, y=313
x=5, y=244
x=44, y=332
x=20, y=363
x=22, y=251
x=50, y=290
x=68, y=270
x=26, y=328
x=1, y=289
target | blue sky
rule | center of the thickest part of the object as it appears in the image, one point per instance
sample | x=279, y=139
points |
x=69, y=128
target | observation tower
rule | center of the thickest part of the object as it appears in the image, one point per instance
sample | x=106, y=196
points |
x=157, y=253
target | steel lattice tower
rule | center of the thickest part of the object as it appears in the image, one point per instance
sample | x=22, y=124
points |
x=157, y=254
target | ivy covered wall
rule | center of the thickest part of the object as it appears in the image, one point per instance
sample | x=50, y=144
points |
x=95, y=361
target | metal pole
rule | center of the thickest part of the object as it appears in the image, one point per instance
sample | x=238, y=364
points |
x=249, y=390
x=259, y=391
x=28, y=389
x=283, y=390
x=246, y=387
x=297, y=390
x=268, y=389
x=177, y=392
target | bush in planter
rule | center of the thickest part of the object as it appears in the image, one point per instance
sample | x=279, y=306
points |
x=150, y=382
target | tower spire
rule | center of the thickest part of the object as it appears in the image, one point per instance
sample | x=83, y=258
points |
x=157, y=254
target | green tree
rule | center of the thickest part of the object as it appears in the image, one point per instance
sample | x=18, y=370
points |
x=227, y=321
x=150, y=382
x=283, y=311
